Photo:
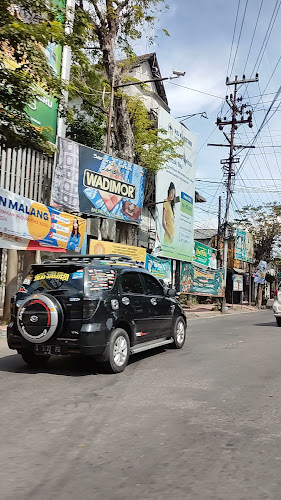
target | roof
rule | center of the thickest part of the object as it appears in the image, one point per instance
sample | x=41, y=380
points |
x=156, y=73
x=204, y=234
x=199, y=198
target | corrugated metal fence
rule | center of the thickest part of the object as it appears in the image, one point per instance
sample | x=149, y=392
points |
x=28, y=173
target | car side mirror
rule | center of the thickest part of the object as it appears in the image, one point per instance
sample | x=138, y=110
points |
x=171, y=292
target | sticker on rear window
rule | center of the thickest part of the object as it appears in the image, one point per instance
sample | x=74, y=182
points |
x=78, y=275
x=51, y=275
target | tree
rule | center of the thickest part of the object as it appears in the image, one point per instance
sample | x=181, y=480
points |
x=264, y=223
x=115, y=24
x=27, y=27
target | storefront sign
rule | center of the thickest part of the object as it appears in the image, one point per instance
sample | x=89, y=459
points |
x=205, y=255
x=95, y=183
x=201, y=281
x=160, y=268
x=175, y=193
x=237, y=280
x=244, y=246
x=98, y=247
x=24, y=218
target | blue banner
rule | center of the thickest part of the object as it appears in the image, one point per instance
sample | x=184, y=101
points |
x=160, y=268
x=91, y=182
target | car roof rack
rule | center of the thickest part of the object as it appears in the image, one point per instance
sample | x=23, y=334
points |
x=76, y=259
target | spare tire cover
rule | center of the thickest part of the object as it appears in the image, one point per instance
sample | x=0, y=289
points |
x=39, y=317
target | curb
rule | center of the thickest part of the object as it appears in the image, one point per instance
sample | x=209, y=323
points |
x=221, y=315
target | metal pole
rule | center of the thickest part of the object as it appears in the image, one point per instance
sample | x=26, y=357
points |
x=250, y=284
x=110, y=117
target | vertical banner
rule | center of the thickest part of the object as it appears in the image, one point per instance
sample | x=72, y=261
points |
x=94, y=183
x=244, y=246
x=175, y=193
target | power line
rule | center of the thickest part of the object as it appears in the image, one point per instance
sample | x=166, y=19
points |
x=195, y=90
x=253, y=36
x=242, y=24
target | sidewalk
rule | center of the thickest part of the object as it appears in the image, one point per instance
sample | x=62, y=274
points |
x=206, y=310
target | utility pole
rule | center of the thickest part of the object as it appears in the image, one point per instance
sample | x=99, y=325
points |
x=229, y=163
x=219, y=232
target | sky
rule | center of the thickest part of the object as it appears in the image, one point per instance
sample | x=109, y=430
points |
x=211, y=40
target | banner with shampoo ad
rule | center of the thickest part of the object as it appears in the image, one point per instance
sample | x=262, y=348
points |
x=175, y=192
x=24, y=218
x=94, y=183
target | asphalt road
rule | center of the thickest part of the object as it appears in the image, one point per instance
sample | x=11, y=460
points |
x=200, y=423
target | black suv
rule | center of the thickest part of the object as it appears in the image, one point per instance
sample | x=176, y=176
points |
x=103, y=306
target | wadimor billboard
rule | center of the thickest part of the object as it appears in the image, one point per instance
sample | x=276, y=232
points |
x=94, y=183
x=175, y=193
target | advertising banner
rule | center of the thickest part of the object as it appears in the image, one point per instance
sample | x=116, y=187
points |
x=98, y=247
x=244, y=246
x=16, y=243
x=205, y=255
x=160, y=268
x=24, y=218
x=201, y=281
x=237, y=280
x=260, y=272
x=91, y=182
x=175, y=192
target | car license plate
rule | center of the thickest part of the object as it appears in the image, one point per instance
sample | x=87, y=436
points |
x=47, y=350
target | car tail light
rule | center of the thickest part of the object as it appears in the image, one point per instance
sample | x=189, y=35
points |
x=276, y=293
x=89, y=307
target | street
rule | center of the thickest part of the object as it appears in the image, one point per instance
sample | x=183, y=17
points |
x=200, y=423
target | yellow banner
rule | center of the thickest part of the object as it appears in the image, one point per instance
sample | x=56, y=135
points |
x=98, y=247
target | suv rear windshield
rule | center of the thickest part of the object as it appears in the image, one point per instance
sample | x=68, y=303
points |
x=43, y=279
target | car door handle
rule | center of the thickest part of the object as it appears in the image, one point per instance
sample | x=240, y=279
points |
x=153, y=301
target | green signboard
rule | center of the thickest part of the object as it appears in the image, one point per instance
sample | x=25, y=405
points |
x=43, y=111
x=201, y=281
x=244, y=246
x=204, y=255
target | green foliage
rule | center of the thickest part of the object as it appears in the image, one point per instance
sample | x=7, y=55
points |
x=264, y=222
x=26, y=28
x=151, y=150
x=87, y=131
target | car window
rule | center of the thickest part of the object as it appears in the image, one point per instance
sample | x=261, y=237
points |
x=153, y=286
x=45, y=279
x=131, y=283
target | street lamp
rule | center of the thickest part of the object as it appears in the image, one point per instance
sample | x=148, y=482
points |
x=176, y=74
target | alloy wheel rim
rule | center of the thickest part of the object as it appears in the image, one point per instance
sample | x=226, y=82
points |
x=180, y=332
x=120, y=350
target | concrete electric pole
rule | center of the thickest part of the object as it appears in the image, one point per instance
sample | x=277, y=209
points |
x=229, y=164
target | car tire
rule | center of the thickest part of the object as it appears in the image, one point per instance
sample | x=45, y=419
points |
x=179, y=333
x=118, y=351
x=278, y=321
x=33, y=360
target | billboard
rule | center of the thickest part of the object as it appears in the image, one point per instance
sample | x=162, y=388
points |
x=201, y=281
x=21, y=217
x=160, y=268
x=99, y=247
x=244, y=246
x=205, y=255
x=94, y=183
x=175, y=193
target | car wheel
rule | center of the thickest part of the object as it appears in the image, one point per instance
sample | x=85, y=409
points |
x=118, y=351
x=278, y=321
x=32, y=359
x=179, y=333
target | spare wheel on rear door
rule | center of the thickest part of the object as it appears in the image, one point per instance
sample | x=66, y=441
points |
x=39, y=317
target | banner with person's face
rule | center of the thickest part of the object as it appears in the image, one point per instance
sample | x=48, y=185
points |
x=175, y=193
x=26, y=219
